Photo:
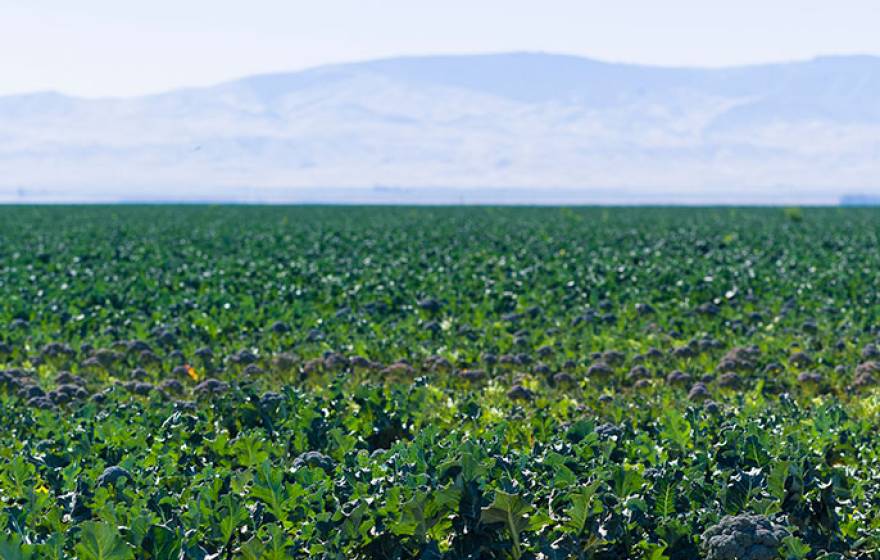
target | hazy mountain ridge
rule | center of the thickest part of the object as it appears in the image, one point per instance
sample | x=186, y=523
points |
x=472, y=124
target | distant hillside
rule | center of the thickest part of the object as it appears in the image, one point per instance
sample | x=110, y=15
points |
x=463, y=129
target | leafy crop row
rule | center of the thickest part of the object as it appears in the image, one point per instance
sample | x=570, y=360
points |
x=233, y=382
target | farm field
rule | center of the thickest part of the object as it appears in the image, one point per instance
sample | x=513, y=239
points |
x=215, y=382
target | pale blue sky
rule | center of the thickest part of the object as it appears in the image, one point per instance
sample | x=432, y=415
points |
x=113, y=47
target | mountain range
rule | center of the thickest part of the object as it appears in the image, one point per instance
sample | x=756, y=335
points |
x=518, y=127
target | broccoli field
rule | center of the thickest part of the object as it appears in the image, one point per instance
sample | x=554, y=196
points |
x=215, y=382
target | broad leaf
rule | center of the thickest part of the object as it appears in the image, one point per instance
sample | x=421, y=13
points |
x=101, y=541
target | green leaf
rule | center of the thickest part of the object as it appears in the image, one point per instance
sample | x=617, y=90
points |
x=512, y=511
x=776, y=479
x=664, y=498
x=794, y=549
x=676, y=428
x=11, y=548
x=269, y=487
x=233, y=515
x=161, y=543
x=739, y=491
x=101, y=541
x=626, y=481
x=412, y=517
x=563, y=477
x=253, y=549
x=583, y=505
x=278, y=544
x=137, y=529
x=653, y=551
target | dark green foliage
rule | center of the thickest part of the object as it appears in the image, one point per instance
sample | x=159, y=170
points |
x=474, y=383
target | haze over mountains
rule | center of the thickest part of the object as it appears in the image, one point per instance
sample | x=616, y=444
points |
x=482, y=128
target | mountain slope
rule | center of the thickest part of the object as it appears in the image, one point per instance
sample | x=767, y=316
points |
x=507, y=127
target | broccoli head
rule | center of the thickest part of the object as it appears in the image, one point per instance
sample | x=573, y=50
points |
x=743, y=537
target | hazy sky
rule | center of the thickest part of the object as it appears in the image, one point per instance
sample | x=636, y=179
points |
x=114, y=47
